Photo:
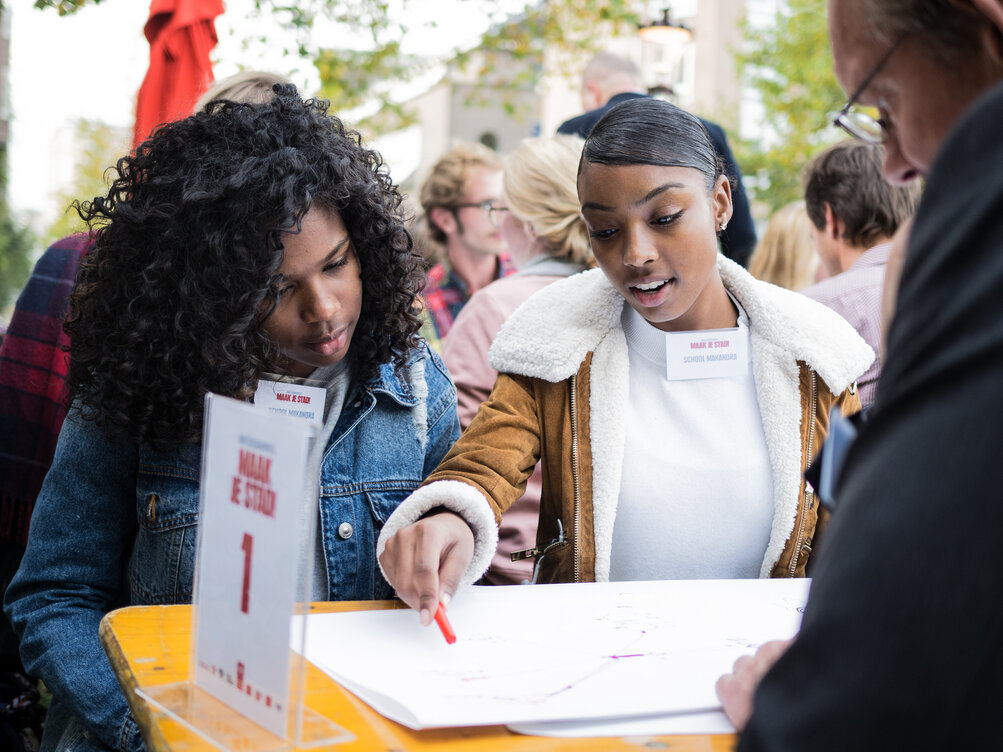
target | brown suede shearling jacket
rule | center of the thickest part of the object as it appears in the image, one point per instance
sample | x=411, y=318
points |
x=562, y=360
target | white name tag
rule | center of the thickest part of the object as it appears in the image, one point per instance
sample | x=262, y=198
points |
x=297, y=400
x=709, y=354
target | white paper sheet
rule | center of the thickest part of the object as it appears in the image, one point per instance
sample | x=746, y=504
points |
x=556, y=652
x=708, y=722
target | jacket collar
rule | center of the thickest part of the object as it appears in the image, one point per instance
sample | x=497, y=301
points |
x=550, y=334
x=623, y=97
x=402, y=391
x=411, y=392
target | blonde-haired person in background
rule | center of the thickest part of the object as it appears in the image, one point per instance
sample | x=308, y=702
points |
x=547, y=241
x=250, y=86
x=786, y=254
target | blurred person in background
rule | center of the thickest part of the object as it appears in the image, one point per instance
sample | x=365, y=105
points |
x=417, y=226
x=785, y=256
x=461, y=198
x=547, y=240
x=854, y=214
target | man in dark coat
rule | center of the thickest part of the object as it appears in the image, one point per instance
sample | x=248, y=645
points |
x=902, y=641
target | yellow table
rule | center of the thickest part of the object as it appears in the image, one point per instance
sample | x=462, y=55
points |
x=150, y=645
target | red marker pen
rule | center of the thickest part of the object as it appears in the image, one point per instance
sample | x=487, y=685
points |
x=443, y=622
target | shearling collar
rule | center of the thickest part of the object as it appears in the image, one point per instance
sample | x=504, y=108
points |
x=549, y=335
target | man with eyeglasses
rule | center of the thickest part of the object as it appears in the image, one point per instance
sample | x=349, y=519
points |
x=901, y=646
x=462, y=201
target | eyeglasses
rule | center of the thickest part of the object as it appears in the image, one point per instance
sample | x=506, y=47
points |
x=858, y=123
x=487, y=205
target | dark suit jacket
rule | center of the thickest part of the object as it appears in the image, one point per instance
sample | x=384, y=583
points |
x=902, y=641
x=739, y=239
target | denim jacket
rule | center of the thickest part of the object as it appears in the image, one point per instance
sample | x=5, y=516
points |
x=115, y=525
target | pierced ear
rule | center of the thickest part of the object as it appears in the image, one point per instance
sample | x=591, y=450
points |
x=722, y=201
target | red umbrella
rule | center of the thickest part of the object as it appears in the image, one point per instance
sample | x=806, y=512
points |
x=181, y=34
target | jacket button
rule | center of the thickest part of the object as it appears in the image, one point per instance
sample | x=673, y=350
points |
x=345, y=530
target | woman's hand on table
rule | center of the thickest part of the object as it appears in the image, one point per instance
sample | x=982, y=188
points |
x=426, y=560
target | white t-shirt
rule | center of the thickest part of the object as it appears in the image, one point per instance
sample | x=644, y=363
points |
x=696, y=490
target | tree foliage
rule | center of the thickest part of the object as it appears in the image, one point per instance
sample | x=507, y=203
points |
x=506, y=59
x=510, y=54
x=789, y=62
x=16, y=244
x=98, y=146
x=369, y=57
x=63, y=7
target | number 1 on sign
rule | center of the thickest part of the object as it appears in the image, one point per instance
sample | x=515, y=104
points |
x=245, y=590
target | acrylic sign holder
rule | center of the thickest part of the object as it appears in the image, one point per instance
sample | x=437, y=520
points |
x=258, y=499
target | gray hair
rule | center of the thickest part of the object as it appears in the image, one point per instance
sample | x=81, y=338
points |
x=251, y=87
x=949, y=31
x=607, y=65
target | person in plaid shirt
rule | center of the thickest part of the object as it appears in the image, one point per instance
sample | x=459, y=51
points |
x=33, y=363
x=461, y=198
x=854, y=212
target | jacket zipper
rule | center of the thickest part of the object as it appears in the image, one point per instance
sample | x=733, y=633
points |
x=809, y=493
x=574, y=477
x=540, y=552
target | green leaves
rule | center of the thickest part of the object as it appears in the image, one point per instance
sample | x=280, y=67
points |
x=789, y=62
x=98, y=146
x=16, y=244
x=62, y=7
x=370, y=58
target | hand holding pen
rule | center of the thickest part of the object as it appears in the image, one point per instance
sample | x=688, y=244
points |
x=426, y=560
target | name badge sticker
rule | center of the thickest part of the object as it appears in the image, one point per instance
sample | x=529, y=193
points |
x=708, y=354
x=297, y=400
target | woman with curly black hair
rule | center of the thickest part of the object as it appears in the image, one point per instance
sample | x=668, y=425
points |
x=242, y=245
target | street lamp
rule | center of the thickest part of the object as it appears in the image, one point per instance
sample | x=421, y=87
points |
x=665, y=30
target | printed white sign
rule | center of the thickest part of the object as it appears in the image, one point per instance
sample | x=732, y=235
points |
x=253, y=473
x=297, y=400
x=707, y=354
